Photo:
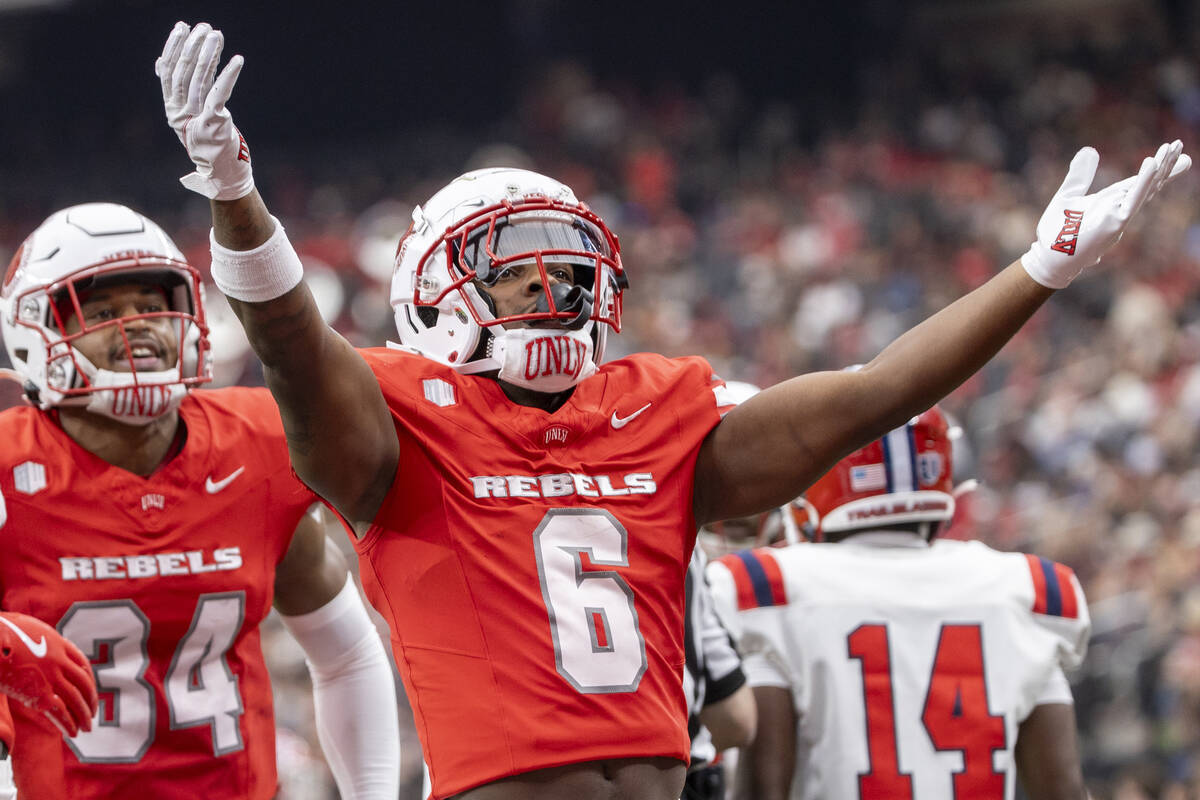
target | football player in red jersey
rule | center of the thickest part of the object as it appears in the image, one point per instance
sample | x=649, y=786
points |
x=889, y=664
x=524, y=512
x=155, y=526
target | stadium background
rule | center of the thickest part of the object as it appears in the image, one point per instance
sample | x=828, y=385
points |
x=792, y=186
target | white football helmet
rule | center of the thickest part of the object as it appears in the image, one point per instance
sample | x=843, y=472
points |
x=468, y=233
x=82, y=248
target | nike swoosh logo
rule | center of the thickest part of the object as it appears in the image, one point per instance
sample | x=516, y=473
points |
x=38, y=648
x=212, y=487
x=621, y=422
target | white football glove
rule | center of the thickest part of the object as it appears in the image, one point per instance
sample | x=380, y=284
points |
x=195, y=106
x=1077, y=228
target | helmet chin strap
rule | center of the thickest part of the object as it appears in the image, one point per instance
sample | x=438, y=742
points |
x=116, y=394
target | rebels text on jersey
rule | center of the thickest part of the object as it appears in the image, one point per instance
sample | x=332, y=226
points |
x=531, y=564
x=162, y=582
x=911, y=667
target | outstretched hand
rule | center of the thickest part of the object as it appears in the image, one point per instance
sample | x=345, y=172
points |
x=1078, y=228
x=195, y=107
x=45, y=672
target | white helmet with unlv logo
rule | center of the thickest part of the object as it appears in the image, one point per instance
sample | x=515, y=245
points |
x=463, y=239
x=73, y=252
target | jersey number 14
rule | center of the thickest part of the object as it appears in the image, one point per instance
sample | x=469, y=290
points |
x=955, y=715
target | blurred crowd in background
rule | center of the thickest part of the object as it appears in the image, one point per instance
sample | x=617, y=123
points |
x=776, y=243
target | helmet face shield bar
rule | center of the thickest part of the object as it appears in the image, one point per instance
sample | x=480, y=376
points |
x=536, y=232
x=48, y=310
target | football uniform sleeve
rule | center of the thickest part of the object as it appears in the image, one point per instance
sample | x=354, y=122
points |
x=1056, y=690
x=1060, y=607
x=354, y=695
x=766, y=668
x=762, y=662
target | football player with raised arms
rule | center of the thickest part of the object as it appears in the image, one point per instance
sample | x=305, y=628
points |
x=889, y=664
x=154, y=526
x=524, y=512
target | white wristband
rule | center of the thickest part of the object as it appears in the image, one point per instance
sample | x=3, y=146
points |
x=254, y=276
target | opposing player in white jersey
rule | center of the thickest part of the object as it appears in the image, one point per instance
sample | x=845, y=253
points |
x=887, y=664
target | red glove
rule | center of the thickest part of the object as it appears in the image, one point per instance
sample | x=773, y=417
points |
x=45, y=672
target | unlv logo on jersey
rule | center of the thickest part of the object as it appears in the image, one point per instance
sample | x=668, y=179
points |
x=1065, y=243
x=556, y=435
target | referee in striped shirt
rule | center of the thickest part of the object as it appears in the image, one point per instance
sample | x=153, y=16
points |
x=721, y=711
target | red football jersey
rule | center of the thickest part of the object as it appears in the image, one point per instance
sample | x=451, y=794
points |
x=162, y=582
x=531, y=565
x=6, y=723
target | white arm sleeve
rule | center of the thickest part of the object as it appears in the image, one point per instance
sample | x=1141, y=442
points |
x=8, y=789
x=354, y=694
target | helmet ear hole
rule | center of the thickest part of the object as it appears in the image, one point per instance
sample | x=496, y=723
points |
x=428, y=316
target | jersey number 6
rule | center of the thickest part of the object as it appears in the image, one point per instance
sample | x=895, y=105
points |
x=598, y=648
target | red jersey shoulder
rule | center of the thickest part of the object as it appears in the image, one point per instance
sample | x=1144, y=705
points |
x=661, y=375
x=251, y=410
x=403, y=374
x=243, y=428
x=239, y=419
x=20, y=430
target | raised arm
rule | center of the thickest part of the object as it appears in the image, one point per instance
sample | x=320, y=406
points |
x=772, y=447
x=339, y=430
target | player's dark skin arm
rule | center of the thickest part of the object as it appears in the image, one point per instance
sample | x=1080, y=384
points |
x=732, y=720
x=771, y=448
x=339, y=431
x=312, y=571
x=1047, y=754
x=765, y=767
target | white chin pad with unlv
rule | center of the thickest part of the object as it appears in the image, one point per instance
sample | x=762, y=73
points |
x=543, y=360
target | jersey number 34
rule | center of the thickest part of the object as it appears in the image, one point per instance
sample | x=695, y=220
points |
x=200, y=688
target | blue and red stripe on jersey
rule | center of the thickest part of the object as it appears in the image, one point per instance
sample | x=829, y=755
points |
x=1053, y=588
x=757, y=578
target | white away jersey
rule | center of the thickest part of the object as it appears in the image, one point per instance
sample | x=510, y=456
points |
x=911, y=668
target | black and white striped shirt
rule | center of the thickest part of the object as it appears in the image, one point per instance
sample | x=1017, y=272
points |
x=713, y=669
